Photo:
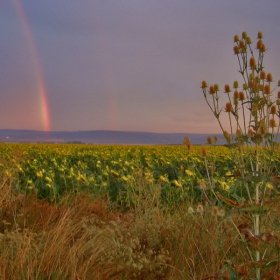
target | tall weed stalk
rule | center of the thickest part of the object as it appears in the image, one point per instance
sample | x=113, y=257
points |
x=251, y=134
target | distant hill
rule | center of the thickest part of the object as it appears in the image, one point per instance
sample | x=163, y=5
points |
x=101, y=137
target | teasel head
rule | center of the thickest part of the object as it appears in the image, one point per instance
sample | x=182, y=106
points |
x=266, y=89
x=260, y=35
x=244, y=35
x=262, y=75
x=248, y=41
x=235, y=38
x=245, y=86
x=186, y=140
x=241, y=44
x=216, y=87
x=252, y=63
x=261, y=87
x=200, y=208
x=235, y=84
x=228, y=107
x=203, y=152
x=241, y=96
x=259, y=44
x=273, y=110
x=269, y=77
x=262, y=48
x=209, y=140
x=215, y=139
x=227, y=88
x=203, y=84
x=236, y=50
x=211, y=90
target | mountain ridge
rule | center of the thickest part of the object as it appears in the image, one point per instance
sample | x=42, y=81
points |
x=102, y=137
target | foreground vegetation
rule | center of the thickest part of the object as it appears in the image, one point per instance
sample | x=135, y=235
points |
x=125, y=212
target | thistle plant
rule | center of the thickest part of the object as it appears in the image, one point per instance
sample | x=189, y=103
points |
x=251, y=133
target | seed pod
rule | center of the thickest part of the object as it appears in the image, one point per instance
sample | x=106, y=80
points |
x=227, y=88
x=235, y=38
x=273, y=110
x=269, y=77
x=204, y=84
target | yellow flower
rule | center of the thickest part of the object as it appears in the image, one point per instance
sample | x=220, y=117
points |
x=188, y=172
x=177, y=184
x=224, y=186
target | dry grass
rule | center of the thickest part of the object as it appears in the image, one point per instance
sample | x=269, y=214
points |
x=81, y=238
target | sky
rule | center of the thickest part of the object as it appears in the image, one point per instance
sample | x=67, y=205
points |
x=126, y=65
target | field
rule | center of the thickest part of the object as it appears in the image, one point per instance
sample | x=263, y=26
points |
x=124, y=212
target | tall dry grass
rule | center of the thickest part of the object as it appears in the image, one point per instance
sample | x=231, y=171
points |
x=81, y=237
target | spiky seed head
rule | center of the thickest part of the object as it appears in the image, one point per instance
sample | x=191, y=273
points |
x=236, y=95
x=262, y=75
x=244, y=35
x=241, y=96
x=261, y=87
x=236, y=50
x=241, y=44
x=273, y=110
x=262, y=48
x=266, y=89
x=235, y=38
x=269, y=77
x=228, y=107
x=200, y=208
x=248, y=41
x=209, y=140
x=216, y=87
x=215, y=139
x=252, y=63
x=235, y=84
x=203, y=84
x=211, y=90
x=227, y=88
x=203, y=152
x=190, y=210
x=260, y=35
x=245, y=86
x=259, y=44
x=272, y=123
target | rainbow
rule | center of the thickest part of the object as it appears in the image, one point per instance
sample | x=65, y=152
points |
x=44, y=106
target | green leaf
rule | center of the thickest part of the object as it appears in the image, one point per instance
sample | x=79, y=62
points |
x=255, y=209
